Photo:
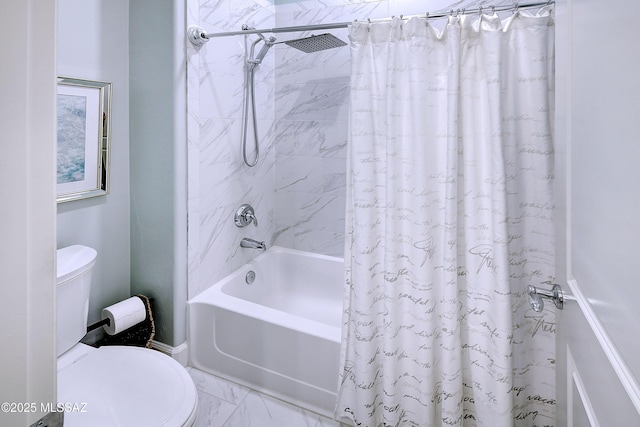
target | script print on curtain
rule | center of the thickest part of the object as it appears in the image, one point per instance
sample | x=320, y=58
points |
x=449, y=218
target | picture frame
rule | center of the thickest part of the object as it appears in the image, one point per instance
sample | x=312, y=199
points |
x=83, y=138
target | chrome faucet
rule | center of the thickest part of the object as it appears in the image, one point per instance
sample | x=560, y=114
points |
x=245, y=216
x=253, y=244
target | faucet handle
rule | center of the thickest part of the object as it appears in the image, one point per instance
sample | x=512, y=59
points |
x=250, y=217
x=244, y=216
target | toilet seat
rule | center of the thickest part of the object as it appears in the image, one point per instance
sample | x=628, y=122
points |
x=124, y=386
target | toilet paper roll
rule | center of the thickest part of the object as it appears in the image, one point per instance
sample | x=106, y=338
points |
x=124, y=315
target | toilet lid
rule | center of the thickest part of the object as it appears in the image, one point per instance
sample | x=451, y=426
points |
x=126, y=386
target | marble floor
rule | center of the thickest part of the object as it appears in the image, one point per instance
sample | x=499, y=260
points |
x=226, y=404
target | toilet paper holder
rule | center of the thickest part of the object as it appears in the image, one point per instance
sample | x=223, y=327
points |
x=106, y=321
x=98, y=325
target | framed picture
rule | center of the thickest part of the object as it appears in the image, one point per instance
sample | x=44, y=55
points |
x=84, y=138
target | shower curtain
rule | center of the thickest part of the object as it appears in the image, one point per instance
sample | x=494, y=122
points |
x=449, y=218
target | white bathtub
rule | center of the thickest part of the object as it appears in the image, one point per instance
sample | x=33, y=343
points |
x=280, y=334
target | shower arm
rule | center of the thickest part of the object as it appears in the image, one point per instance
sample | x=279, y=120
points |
x=198, y=36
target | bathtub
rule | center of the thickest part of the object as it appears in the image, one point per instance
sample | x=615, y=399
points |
x=280, y=334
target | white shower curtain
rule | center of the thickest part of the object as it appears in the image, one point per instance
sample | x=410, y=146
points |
x=449, y=218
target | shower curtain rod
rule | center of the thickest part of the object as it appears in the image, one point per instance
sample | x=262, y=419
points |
x=199, y=36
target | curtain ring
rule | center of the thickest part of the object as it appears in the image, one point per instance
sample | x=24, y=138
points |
x=480, y=10
x=493, y=10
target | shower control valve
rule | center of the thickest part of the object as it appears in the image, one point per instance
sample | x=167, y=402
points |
x=244, y=216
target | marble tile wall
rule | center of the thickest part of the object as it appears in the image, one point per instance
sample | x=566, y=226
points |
x=218, y=181
x=298, y=188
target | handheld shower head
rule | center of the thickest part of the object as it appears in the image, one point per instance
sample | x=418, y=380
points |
x=249, y=95
x=263, y=50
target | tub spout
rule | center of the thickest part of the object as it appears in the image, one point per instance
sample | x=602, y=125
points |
x=253, y=244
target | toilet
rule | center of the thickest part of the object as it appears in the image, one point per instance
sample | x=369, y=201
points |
x=112, y=385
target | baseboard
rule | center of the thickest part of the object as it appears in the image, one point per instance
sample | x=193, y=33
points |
x=179, y=353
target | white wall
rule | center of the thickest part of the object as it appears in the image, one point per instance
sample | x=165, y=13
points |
x=93, y=44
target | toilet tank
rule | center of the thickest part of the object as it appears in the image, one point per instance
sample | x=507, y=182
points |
x=75, y=267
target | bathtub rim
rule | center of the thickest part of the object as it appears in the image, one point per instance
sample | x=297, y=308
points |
x=215, y=296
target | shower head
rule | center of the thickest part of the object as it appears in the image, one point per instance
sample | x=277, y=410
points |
x=315, y=43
